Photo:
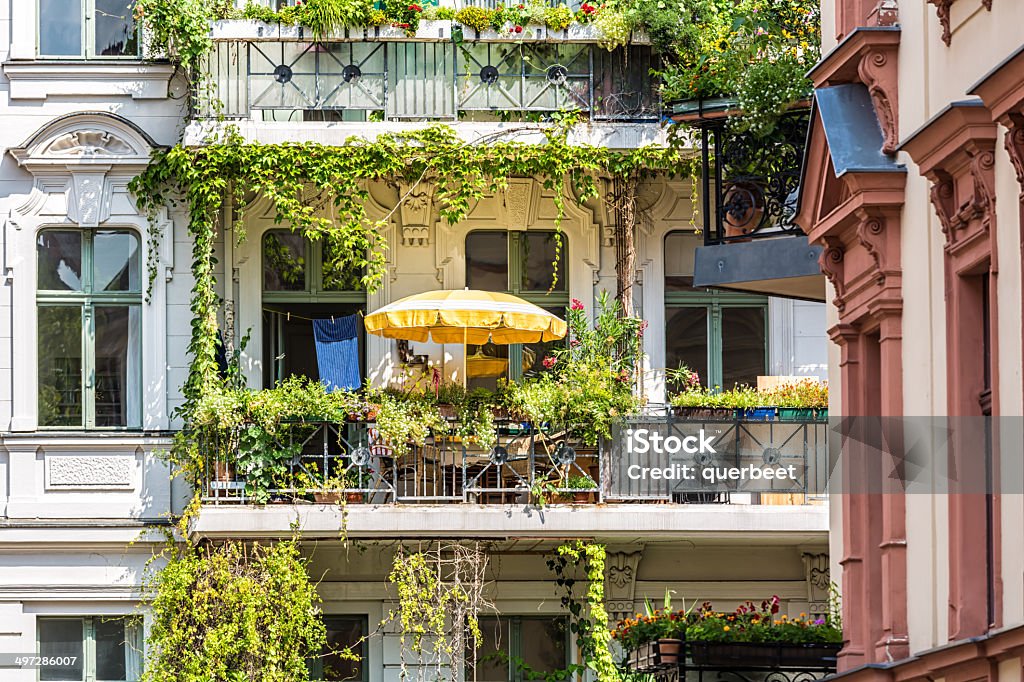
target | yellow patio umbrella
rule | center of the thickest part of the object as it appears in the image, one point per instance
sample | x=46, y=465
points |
x=465, y=316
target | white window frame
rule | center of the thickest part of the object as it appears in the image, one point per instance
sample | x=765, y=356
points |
x=88, y=36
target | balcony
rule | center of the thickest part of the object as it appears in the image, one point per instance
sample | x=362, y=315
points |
x=317, y=462
x=750, y=198
x=445, y=72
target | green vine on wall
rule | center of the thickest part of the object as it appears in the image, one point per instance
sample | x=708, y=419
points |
x=233, y=612
x=322, y=192
x=589, y=621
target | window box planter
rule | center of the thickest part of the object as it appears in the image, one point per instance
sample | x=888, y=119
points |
x=763, y=654
x=243, y=29
x=582, y=33
x=435, y=29
x=796, y=414
x=386, y=32
x=704, y=108
x=653, y=655
x=507, y=33
x=705, y=413
x=757, y=414
x=821, y=414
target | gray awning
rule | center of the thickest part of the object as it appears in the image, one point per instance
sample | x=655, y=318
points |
x=781, y=266
x=852, y=130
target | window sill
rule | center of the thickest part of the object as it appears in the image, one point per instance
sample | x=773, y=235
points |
x=38, y=79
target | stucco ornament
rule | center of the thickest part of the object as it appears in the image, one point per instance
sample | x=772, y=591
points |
x=621, y=568
x=92, y=471
x=89, y=143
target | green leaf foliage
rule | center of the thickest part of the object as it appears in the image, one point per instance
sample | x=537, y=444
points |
x=233, y=613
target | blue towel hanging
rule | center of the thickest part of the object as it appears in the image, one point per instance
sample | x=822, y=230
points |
x=337, y=352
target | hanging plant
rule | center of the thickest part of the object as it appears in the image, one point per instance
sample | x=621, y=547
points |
x=321, y=192
x=233, y=612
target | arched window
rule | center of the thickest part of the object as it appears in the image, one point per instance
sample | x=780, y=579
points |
x=721, y=335
x=89, y=295
x=303, y=281
x=518, y=263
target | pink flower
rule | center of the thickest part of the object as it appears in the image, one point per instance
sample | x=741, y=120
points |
x=574, y=343
x=549, y=362
x=576, y=304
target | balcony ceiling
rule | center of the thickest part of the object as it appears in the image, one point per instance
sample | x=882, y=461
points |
x=709, y=524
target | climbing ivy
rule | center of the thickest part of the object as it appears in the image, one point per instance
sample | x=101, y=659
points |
x=232, y=613
x=322, y=192
x=588, y=622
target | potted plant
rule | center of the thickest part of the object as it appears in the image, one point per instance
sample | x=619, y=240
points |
x=654, y=639
x=581, y=487
x=801, y=401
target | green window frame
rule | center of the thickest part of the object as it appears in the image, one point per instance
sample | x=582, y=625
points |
x=281, y=303
x=88, y=396
x=71, y=29
x=714, y=304
x=515, y=647
x=557, y=299
x=92, y=639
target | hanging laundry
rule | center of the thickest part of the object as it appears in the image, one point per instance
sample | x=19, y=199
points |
x=337, y=352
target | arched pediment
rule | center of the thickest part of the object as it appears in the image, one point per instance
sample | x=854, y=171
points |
x=86, y=138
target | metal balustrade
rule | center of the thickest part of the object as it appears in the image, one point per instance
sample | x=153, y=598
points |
x=325, y=462
x=328, y=462
x=743, y=439
x=422, y=80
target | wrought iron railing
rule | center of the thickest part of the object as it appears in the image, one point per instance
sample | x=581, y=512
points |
x=750, y=183
x=325, y=462
x=765, y=438
x=443, y=80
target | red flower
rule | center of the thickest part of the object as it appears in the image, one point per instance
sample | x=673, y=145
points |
x=519, y=29
x=415, y=8
x=549, y=362
x=576, y=304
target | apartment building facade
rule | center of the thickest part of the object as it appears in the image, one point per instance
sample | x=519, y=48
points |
x=95, y=326
x=921, y=226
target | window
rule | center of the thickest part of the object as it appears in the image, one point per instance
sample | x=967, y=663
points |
x=343, y=633
x=89, y=295
x=95, y=648
x=720, y=335
x=518, y=263
x=303, y=281
x=520, y=648
x=87, y=28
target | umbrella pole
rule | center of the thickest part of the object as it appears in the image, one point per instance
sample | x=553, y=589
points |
x=465, y=358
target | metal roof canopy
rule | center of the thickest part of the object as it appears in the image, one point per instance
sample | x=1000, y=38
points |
x=786, y=267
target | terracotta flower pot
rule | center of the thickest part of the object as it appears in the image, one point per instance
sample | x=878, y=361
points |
x=355, y=498
x=581, y=498
x=223, y=471
x=669, y=651
x=327, y=497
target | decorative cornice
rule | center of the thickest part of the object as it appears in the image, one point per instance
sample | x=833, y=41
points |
x=871, y=235
x=1013, y=141
x=869, y=56
x=956, y=152
x=942, y=9
x=831, y=262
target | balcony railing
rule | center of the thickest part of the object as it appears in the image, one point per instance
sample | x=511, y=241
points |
x=369, y=79
x=324, y=462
